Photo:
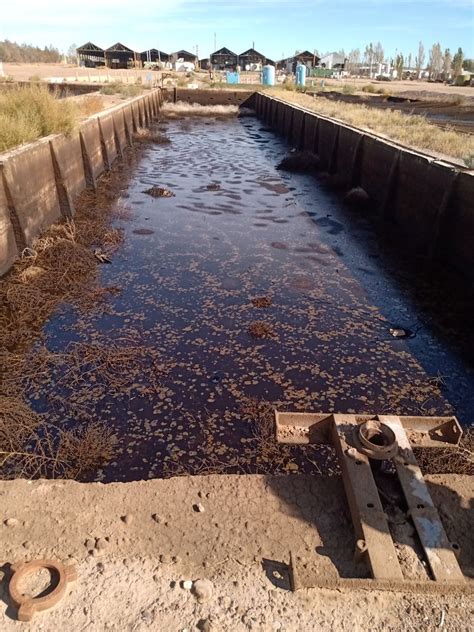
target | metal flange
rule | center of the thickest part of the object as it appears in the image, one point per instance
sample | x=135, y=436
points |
x=376, y=440
x=27, y=606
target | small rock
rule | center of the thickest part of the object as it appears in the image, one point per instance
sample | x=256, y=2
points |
x=128, y=519
x=26, y=545
x=156, y=518
x=147, y=616
x=203, y=589
x=205, y=626
x=187, y=584
x=198, y=508
x=100, y=567
x=12, y=522
x=89, y=544
x=156, y=578
x=101, y=544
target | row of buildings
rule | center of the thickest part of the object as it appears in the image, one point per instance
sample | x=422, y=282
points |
x=120, y=56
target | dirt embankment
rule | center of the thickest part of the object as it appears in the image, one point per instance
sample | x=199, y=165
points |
x=136, y=543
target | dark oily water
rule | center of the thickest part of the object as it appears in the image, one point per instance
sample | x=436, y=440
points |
x=189, y=272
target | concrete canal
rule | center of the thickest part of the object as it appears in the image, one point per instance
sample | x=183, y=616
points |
x=251, y=287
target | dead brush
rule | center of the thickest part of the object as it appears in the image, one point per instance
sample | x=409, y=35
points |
x=261, y=329
x=31, y=447
x=459, y=460
x=260, y=414
x=261, y=302
x=145, y=135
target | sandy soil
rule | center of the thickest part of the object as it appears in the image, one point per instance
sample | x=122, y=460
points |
x=135, y=543
x=45, y=71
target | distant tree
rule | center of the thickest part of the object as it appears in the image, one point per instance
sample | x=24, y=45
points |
x=369, y=56
x=447, y=61
x=379, y=54
x=420, y=59
x=410, y=61
x=468, y=64
x=353, y=61
x=71, y=54
x=435, y=63
x=13, y=52
x=458, y=63
x=399, y=65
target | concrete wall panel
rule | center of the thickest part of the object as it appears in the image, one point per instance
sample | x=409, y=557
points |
x=121, y=135
x=69, y=157
x=106, y=124
x=8, y=246
x=29, y=176
x=91, y=135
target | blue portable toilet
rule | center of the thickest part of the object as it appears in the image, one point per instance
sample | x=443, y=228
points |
x=300, y=75
x=232, y=77
x=268, y=75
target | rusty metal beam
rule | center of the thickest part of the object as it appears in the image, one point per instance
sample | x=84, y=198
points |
x=368, y=517
x=439, y=553
x=314, y=428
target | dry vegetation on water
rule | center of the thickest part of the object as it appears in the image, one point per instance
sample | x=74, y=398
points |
x=65, y=441
x=410, y=130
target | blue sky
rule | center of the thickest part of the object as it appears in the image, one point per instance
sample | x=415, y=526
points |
x=278, y=27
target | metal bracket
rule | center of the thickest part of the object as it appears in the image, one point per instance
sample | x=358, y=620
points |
x=393, y=437
x=27, y=606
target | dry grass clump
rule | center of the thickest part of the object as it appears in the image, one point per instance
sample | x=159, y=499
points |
x=28, y=113
x=125, y=89
x=90, y=104
x=261, y=302
x=144, y=135
x=459, y=460
x=261, y=329
x=157, y=192
x=55, y=269
x=410, y=130
x=31, y=447
x=180, y=109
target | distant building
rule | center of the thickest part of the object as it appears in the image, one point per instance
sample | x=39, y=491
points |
x=308, y=59
x=252, y=60
x=224, y=59
x=154, y=56
x=183, y=55
x=204, y=64
x=332, y=61
x=119, y=56
x=90, y=55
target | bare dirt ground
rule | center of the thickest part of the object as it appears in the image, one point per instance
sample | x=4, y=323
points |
x=135, y=543
x=23, y=72
x=422, y=89
x=58, y=72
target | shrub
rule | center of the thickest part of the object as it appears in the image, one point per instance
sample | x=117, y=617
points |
x=27, y=113
x=348, y=88
x=369, y=87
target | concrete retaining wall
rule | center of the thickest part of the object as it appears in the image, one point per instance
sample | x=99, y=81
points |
x=211, y=97
x=431, y=201
x=39, y=182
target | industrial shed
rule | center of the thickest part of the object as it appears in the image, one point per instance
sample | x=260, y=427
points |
x=185, y=56
x=154, y=56
x=308, y=59
x=119, y=56
x=252, y=60
x=90, y=55
x=224, y=59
